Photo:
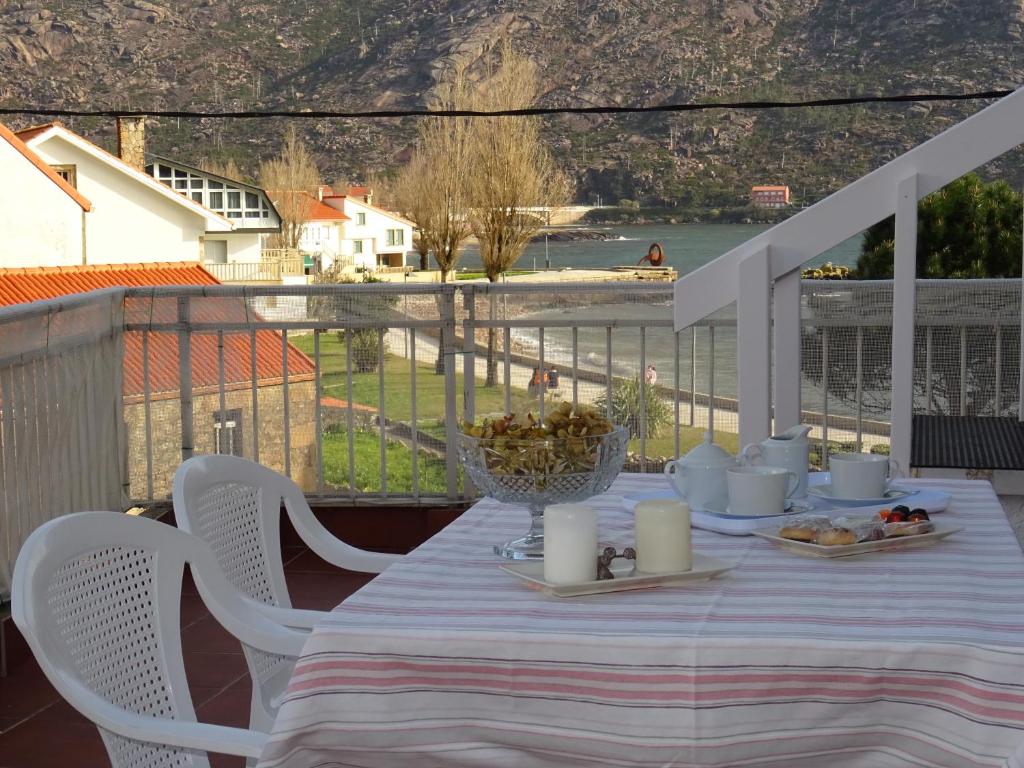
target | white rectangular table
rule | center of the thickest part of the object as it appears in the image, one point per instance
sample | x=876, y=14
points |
x=908, y=658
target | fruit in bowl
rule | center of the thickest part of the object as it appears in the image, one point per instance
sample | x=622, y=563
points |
x=574, y=453
x=563, y=443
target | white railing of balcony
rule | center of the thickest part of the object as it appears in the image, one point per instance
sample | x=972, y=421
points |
x=365, y=416
x=763, y=275
x=62, y=446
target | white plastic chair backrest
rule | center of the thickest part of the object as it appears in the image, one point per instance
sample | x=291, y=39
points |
x=234, y=505
x=97, y=595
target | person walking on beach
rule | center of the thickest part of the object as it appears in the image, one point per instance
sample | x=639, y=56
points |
x=651, y=375
x=535, y=383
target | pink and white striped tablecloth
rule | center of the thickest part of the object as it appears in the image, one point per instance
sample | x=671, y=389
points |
x=905, y=658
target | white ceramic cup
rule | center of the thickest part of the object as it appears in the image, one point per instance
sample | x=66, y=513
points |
x=757, y=491
x=858, y=475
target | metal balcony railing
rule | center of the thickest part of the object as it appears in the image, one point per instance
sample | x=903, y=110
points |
x=354, y=390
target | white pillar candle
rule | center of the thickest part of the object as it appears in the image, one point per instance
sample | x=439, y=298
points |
x=570, y=544
x=663, y=537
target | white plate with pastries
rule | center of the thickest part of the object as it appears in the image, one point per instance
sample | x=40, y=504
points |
x=812, y=549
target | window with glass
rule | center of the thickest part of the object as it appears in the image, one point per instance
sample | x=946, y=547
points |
x=67, y=172
x=227, y=432
x=357, y=246
x=238, y=203
x=395, y=237
x=361, y=219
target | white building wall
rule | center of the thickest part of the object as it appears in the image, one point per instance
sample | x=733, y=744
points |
x=40, y=225
x=323, y=239
x=373, y=234
x=242, y=246
x=129, y=221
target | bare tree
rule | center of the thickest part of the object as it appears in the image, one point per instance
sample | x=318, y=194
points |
x=291, y=179
x=513, y=172
x=432, y=188
x=227, y=168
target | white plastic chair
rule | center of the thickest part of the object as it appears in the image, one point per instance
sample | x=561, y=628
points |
x=97, y=597
x=234, y=505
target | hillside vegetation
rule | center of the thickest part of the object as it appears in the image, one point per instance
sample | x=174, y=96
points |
x=244, y=54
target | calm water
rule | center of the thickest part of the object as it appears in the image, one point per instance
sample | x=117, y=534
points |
x=686, y=246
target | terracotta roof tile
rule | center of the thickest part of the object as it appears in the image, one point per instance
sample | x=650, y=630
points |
x=18, y=286
x=320, y=212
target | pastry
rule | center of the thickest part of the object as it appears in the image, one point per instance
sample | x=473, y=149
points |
x=798, y=533
x=836, y=536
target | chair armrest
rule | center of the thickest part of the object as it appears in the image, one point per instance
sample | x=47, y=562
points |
x=293, y=618
x=185, y=734
x=239, y=615
x=329, y=547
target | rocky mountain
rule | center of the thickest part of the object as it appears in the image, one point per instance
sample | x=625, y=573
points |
x=256, y=54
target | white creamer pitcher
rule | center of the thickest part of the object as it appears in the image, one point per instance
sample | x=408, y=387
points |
x=788, y=450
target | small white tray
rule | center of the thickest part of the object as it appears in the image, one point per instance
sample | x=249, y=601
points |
x=532, y=572
x=864, y=547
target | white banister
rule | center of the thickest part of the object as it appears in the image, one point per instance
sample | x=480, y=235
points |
x=903, y=302
x=787, y=356
x=977, y=140
x=753, y=346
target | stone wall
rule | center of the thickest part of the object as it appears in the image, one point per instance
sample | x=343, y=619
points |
x=165, y=415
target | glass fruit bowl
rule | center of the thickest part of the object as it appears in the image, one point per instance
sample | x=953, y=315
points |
x=541, y=471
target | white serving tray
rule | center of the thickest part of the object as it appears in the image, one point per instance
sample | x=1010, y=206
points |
x=845, y=550
x=532, y=572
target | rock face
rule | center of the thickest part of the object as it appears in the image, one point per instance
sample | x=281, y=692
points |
x=281, y=54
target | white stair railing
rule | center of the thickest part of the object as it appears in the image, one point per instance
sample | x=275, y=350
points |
x=763, y=274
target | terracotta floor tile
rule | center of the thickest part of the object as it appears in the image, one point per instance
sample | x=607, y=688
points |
x=215, y=670
x=6, y=723
x=226, y=761
x=25, y=691
x=229, y=707
x=323, y=591
x=207, y=636
x=38, y=744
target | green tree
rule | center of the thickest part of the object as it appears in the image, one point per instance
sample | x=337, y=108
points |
x=968, y=229
x=626, y=398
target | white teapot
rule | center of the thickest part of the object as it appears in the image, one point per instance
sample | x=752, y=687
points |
x=699, y=476
x=788, y=450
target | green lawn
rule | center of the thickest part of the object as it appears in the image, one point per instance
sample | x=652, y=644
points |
x=430, y=406
x=366, y=444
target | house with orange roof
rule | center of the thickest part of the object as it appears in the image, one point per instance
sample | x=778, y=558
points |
x=373, y=238
x=45, y=217
x=323, y=233
x=769, y=195
x=133, y=217
x=151, y=374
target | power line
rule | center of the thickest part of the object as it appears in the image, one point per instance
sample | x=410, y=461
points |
x=528, y=112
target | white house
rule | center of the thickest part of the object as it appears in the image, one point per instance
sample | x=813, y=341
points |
x=371, y=237
x=247, y=206
x=134, y=218
x=42, y=217
x=323, y=235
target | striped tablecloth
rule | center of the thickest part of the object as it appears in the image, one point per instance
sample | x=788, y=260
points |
x=906, y=658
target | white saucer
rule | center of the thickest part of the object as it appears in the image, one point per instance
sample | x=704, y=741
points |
x=791, y=508
x=824, y=491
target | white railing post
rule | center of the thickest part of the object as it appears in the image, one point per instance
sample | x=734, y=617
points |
x=753, y=346
x=185, y=376
x=786, y=353
x=903, y=301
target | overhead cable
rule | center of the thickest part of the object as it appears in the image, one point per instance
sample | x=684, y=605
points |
x=527, y=112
